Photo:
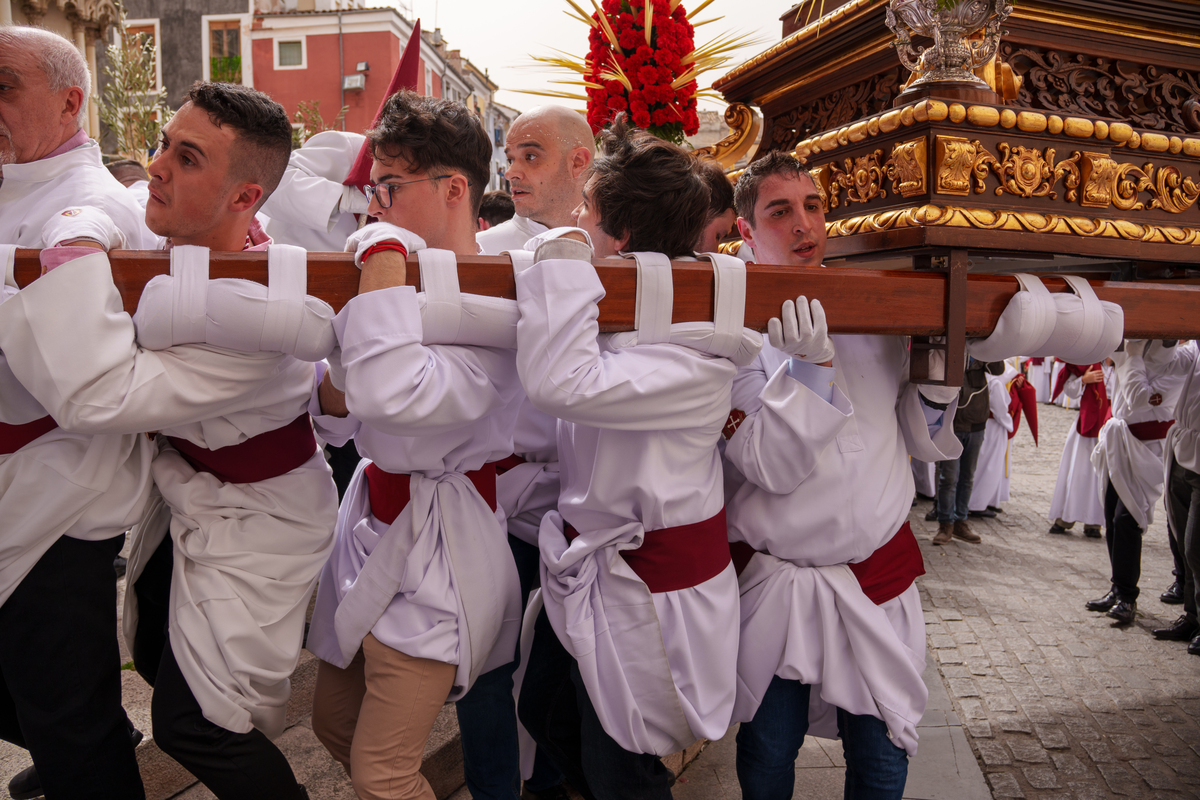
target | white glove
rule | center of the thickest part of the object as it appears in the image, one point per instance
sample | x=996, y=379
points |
x=803, y=333
x=554, y=233
x=941, y=395
x=353, y=201
x=363, y=238
x=84, y=222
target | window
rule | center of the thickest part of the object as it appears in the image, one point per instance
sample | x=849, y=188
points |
x=225, y=51
x=291, y=54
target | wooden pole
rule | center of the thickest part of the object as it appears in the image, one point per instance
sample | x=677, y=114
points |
x=856, y=300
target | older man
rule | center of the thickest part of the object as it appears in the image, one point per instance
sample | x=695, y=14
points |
x=66, y=498
x=549, y=148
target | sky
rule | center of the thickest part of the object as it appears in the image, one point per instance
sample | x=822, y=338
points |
x=501, y=35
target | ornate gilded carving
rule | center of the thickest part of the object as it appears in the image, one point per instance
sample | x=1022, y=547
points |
x=745, y=124
x=862, y=179
x=1028, y=172
x=1032, y=222
x=1172, y=191
x=835, y=109
x=1098, y=174
x=1142, y=94
x=956, y=163
x=906, y=168
x=820, y=176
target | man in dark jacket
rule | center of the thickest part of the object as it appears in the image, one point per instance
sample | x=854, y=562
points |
x=955, y=478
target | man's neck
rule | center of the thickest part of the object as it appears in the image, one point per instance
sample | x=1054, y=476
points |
x=70, y=142
x=459, y=239
x=230, y=238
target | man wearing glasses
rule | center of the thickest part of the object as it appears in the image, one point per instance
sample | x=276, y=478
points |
x=420, y=595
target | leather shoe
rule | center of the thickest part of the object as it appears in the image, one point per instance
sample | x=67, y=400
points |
x=558, y=792
x=931, y=514
x=1181, y=630
x=1194, y=647
x=1059, y=529
x=963, y=531
x=1173, y=596
x=1102, y=603
x=26, y=784
x=944, y=534
x=997, y=509
x=987, y=512
x=1124, y=611
x=1091, y=531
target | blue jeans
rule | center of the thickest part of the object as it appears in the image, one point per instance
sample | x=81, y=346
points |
x=955, y=478
x=487, y=717
x=767, y=747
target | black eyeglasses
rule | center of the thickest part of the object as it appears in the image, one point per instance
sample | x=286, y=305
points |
x=383, y=191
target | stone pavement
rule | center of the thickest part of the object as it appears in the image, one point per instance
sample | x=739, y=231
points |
x=1057, y=702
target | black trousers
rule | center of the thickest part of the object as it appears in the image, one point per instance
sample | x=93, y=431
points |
x=60, y=678
x=555, y=708
x=1183, y=516
x=1124, y=538
x=234, y=766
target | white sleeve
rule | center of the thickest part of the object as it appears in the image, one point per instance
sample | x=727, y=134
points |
x=925, y=440
x=401, y=387
x=645, y=387
x=334, y=430
x=17, y=405
x=69, y=340
x=310, y=192
x=998, y=400
x=786, y=430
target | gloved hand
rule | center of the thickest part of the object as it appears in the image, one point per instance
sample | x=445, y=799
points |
x=353, y=201
x=941, y=395
x=369, y=235
x=84, y=222
x=803, y=332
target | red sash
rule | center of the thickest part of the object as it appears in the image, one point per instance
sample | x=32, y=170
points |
x=1094, y=407
x=884, y=575
x=1150, y=431
x=14, y=437
x=505, y=464
x=677, y=558
x=267, y=455
x=389, y=491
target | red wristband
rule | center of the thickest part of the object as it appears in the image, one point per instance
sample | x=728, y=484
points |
x=379, y=246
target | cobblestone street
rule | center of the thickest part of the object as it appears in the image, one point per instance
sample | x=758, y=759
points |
x=1057, y=702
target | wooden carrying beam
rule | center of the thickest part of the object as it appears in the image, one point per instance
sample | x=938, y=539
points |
x=856, y=300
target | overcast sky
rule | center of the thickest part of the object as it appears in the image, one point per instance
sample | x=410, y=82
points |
x=500, y=35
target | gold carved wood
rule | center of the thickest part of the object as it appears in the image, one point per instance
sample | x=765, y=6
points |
x=906, y=168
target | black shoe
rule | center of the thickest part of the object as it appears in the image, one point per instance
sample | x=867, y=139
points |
x=120, y=564
x=1173, y=596
x=1194, y=647
x=987, y=512
x=997, y=509
x=558, y=792
x=1103, y=603
x=931, y=515
x=1124, y=611
x=1059, y=529
x=1181, y=630
x=25, y=785
x=1091, y=531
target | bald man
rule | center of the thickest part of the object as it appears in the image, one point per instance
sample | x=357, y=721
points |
x=548, y=149
x=66, y=499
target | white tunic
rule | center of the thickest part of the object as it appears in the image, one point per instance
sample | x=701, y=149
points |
x=637, y=441
x=924, y=477
x=1075, y=498
x=247, y=556
x=509, y=235
x=990, y=487
x=822, y=485
x=438, y=582
x=1039, y=377
x=1144, y=370
x=304, y=209
x=1184, y=437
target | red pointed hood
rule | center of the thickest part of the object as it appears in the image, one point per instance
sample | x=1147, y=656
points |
x=405, y=77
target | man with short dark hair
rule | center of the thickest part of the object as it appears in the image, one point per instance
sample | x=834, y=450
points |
x=420, y=595
x=722, y=217
x=497, y=207
x=222, y=371
x=633, y=653
x=66, y=498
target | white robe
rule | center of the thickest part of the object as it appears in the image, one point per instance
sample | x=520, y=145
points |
x=991, y=484
x=819, y=485
x=509, y=235
x=438, y=582
x=1183, y=440
x=637, y=441
x=924, y=477
x=247, y=556
x=1039, y=377
x=1064, y=400
x=99, y=484
x=1135, y=467
x=1075, y=498
x=305, y=209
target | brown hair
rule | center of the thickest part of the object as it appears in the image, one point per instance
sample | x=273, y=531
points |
x=720, y=190
x=497, y=207
x=264, y=135
x=776, y=162
x=433, y=135
x=648, y=189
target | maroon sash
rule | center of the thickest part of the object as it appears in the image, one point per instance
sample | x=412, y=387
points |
x=1150, y=431
x=677, y=558
x=884, y=575
x=1094, y=407
x=267, y=455
x=389, y=491
x=14, y=437
x=505, y=464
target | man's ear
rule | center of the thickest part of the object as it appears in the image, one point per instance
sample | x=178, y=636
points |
x=580, y=159
x=623, y=242
x=246, y=198
x=458, y=190
x=747, y=232
x=72, y=102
